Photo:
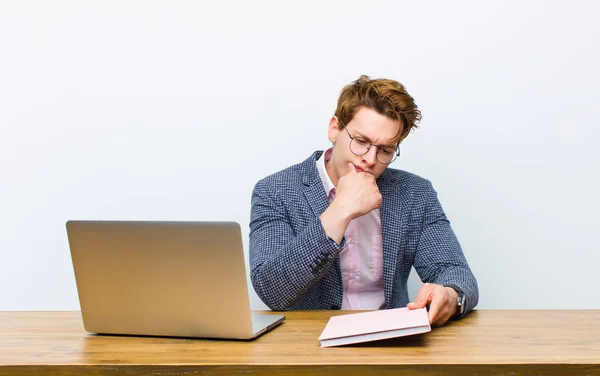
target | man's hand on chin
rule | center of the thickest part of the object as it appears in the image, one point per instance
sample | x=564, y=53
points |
x=442, y=302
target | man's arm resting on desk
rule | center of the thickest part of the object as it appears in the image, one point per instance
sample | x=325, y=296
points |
x=439, y=260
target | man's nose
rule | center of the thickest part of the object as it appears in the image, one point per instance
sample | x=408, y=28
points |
x=370, y=157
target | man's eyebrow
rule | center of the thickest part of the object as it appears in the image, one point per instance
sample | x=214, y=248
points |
x=360, y=135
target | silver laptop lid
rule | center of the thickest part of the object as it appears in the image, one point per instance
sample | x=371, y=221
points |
x=161, y=278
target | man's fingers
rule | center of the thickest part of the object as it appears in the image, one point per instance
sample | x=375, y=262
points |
x=351, y=168
x=439, y=300
x=439, y=311
x=434, y=309
x=423, y=297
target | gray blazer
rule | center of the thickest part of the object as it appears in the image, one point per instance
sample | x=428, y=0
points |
x=295, y=266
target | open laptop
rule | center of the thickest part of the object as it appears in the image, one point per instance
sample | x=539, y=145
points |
x=180, y=279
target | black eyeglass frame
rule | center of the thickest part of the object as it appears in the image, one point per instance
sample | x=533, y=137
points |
x=369, y=148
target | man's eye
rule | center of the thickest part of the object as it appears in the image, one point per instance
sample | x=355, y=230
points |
x=361, y=141
x=388, y=151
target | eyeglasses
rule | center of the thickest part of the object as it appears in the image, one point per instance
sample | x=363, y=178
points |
x=360, y=146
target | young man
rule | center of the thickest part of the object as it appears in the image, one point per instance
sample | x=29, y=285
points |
x=342, y=231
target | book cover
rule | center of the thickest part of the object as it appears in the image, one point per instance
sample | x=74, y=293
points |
x=374, y=325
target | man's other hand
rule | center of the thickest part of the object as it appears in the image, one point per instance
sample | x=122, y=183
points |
x=442, y=302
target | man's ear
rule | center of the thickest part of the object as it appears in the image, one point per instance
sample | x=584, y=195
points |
x=332, y=130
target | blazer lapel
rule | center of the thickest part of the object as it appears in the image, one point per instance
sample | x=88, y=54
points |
x=313, y=187
x=390, y=230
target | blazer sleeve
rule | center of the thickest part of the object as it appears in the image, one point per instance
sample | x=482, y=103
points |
x=439, y=258
x=285, y=261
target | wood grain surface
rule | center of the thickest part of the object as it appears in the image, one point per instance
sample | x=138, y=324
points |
x=497, y=342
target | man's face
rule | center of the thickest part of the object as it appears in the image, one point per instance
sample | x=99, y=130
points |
x=368, y=125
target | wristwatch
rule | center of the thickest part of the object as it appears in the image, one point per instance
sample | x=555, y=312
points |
x=460, y=302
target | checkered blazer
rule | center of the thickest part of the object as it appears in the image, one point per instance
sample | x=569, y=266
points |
x=295, y=266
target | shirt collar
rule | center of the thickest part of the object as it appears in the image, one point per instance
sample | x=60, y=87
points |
x=327, y=184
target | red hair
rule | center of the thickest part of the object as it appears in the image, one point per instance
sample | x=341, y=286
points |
x=387, y=97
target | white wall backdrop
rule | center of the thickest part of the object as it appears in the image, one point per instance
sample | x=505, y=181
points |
x=173, y=110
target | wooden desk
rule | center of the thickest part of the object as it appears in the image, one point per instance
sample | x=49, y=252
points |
x=486, y=342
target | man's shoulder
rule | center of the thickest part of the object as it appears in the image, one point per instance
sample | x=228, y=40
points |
x=404, y=179
x=290, y=176
x=405, y=188
x=284, y=176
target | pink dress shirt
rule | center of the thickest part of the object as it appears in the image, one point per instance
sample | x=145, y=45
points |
x=361, y=260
